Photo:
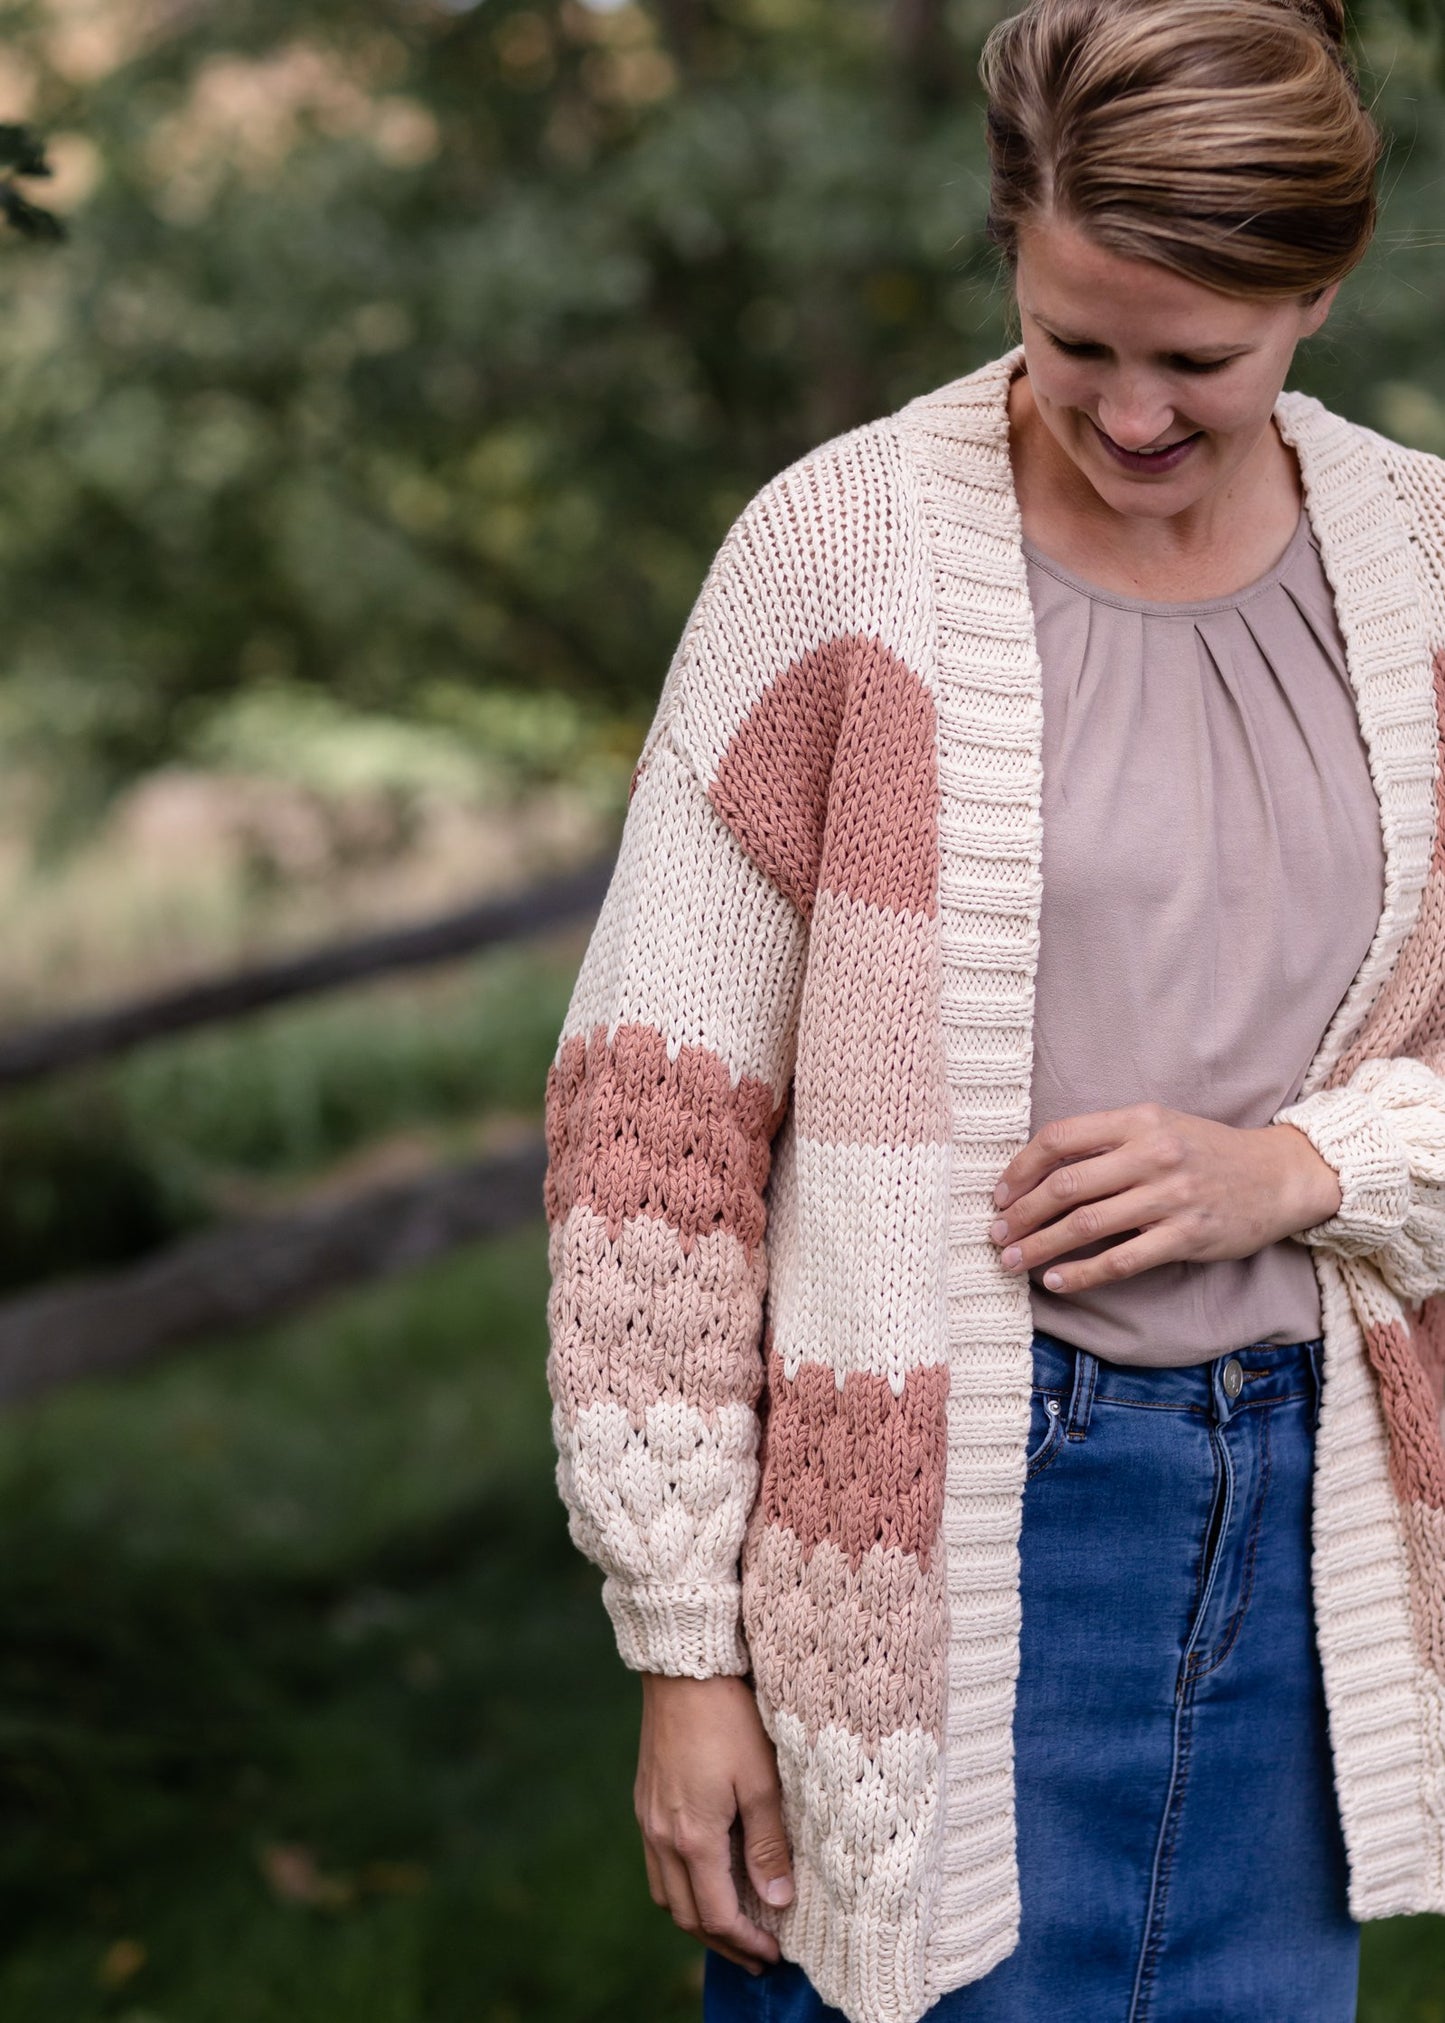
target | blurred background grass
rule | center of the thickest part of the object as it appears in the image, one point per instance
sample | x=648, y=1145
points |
x=365, y=443
x=309, y=1711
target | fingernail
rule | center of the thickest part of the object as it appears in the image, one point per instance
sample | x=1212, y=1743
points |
x=998, y=1230
x=778, y=1890
x=1000, y=1193
x=1013, y=1255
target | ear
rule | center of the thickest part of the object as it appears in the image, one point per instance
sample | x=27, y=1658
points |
x=1314, y=313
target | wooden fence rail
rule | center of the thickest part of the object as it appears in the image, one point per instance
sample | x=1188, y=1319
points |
x=256, y=1269
x=37, y=1051
x=253, y=1271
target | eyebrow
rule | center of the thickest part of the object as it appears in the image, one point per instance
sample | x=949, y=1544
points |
x=1210, y=352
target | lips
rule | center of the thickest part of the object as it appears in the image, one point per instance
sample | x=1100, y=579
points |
x=1157, y=461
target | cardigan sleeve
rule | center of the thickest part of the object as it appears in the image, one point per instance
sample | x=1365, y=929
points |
x=1383, y=1132
x=670, y=1082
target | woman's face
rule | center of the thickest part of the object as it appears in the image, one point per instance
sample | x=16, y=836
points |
x=1126, y=357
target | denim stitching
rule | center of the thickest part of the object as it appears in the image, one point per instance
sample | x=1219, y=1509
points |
x=1209, y=1557
x=1049, y=1451
x=1153, y=1936
x=1236, y=1621
x=1081, y=1397
x=1107, y=1403
x=1035, y=1463
x=1314, y=1389
x=1152, y=1939
x=1201, y=1579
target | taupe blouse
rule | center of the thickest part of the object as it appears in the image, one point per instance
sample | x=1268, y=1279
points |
x=1213, y=874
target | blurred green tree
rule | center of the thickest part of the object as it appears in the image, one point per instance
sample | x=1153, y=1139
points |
x=410, y=348
x=22, y=153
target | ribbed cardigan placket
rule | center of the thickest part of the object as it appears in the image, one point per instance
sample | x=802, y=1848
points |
x=988, y=693
x=989, y=697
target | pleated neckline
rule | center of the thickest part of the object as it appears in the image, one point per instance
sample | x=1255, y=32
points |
x=1173, y=607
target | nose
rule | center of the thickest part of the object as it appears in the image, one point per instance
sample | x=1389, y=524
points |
x=1135, y=419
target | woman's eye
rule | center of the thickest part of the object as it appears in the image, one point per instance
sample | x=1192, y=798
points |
x=1195, y=365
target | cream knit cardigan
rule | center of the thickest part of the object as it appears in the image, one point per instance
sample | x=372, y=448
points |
x=790, y=1377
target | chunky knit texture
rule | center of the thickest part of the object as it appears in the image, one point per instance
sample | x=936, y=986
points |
x=790, y=1377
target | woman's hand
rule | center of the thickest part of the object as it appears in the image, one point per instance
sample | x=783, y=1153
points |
x=1191, y=1188
x=706, y=1761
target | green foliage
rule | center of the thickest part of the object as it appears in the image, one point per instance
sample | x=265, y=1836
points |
x=308, y=738
x=23, y=154
x=110, y=1165
x=287, y=1092
x=314, y=1592
x=425, y=350
x=459, y=742
x=83, y=1191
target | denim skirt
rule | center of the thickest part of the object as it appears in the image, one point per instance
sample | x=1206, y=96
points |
x=1179, y=1845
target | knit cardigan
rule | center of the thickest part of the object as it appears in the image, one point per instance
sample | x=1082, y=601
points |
x=789, y=1375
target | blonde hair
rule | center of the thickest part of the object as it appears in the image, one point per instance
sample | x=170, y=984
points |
x=1226, y=139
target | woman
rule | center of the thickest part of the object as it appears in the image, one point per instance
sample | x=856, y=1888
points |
x=997, y=1142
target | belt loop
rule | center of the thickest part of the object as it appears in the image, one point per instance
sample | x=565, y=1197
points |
x=1081, y=1398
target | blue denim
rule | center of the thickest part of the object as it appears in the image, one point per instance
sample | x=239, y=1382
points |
x=1179, y=1845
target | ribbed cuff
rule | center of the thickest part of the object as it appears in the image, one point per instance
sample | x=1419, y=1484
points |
x=1352, y=1135
x=693, y=1630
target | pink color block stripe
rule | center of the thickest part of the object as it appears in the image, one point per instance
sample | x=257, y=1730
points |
x=832, y=778
x=852, y=1463
x=1409, y=1014
x=1425, y=1550
x=1408, y=1017
x=1417, y=1464
x=1428, y=1332
x=882, y=844
x=631, y=1132
x=1437, y=854
x=838, y=1644
x=872, y=1070
x=637, y=1318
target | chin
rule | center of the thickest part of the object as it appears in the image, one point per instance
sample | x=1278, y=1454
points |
x=1145, y=501
x=1170, y=492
